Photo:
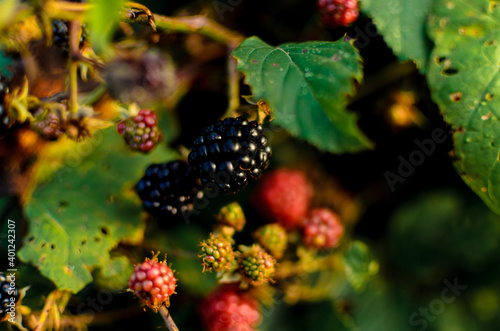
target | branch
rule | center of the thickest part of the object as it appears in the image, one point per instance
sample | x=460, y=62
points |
x=169, y=322
x=192, y=24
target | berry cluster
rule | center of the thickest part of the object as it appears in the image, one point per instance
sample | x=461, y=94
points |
x=229, y=154
x=5, y=297
x=216, y=253
x=338, y=13
x=141, y=132
x=153, y=282
x=230, y=309
x=284, y=196
x=168, y=189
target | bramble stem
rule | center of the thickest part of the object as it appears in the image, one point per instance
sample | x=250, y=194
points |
x=233, y=85
x=192, y=24
x=47, y=308
x=169, y=322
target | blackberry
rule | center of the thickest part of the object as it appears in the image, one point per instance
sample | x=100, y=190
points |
x=168, y=189
x=5, y=119
x=60, y=36
x=6, y=295
x=230, y=153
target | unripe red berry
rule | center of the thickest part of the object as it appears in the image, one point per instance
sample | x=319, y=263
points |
x=141, y=132
x=338, y=13
x=283, y=196
x=153, y=282
x=230, y=309
x=322, y=229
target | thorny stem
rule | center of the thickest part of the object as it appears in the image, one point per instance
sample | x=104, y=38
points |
x=192, y=24
x=54, y=306
x=169, y=322
x=49, y=303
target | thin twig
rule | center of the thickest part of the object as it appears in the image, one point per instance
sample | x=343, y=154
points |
x=169, y=322
x=192, y=24
x=233, y=85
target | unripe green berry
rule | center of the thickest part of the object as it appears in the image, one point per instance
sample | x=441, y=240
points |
x=232, y=215
x=256, y=265
x=216, y=253
x=273, y=238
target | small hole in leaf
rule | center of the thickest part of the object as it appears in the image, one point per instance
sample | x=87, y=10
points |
x=97, y=239
x=489, y=43
x=79, y=251
x=460, y=129
x=449, y=72
x=63, y=203
x=456, y=97
x=492, y=144
x=84, y=241
x=52, y=246
x=31, y=239
x=440, y=59
x=104, y=231
x=489, y=97
x=42, y=258
x=43, y=245
x=493, y=5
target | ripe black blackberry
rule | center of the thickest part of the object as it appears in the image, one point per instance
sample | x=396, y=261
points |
x=230, y=153
x=5, y=296
x=168, y=189
x=60, y=36
x=5, y=119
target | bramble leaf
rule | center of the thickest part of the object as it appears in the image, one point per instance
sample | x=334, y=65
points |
x=79, y=216
x=464, y=77
x=402, y=24
x=307, y=85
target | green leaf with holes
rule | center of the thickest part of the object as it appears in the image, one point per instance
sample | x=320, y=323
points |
x=402, y=24
x=359, y=265
x=464, y=77
x=307, y=86
x=86, y=210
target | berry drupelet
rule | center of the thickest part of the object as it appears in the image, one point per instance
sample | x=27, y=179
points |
x=229, y=154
